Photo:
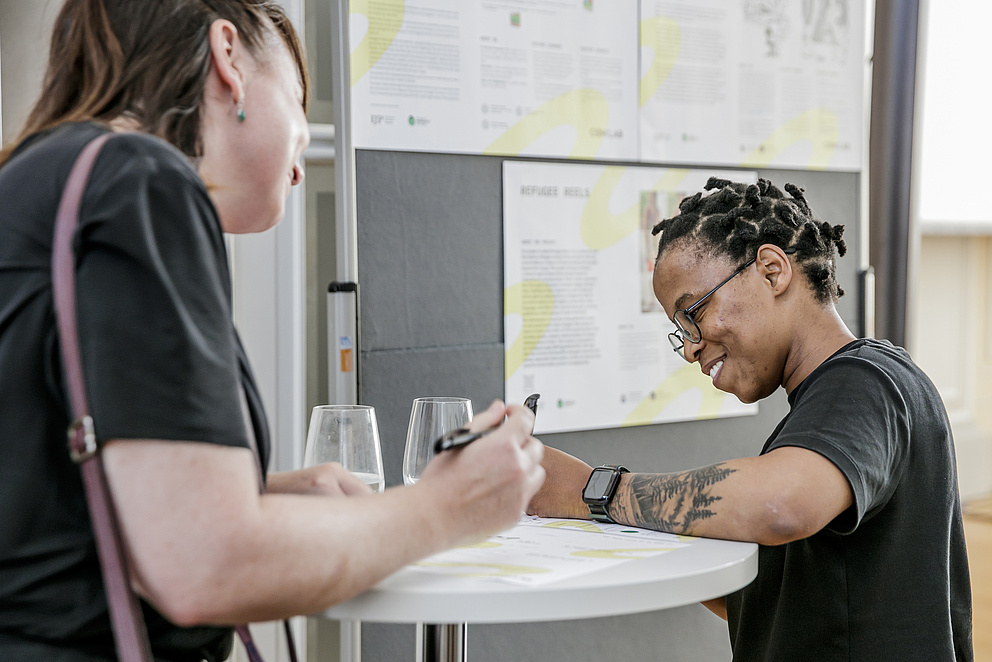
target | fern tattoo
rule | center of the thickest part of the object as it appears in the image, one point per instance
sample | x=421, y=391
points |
x=672, y=502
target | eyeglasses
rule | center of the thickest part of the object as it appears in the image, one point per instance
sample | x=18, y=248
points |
x=686, y=326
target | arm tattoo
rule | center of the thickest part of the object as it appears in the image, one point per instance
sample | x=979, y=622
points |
x=670, y=502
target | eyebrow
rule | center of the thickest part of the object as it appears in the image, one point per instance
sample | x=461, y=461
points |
x=682, y=299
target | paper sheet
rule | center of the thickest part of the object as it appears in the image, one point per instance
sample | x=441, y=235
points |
x=541, y=550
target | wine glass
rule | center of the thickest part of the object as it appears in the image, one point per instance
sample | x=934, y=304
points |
x=347, y=434
x=429, y=419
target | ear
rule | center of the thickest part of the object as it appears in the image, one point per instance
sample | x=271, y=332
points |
x=774, y=267
x=226, y=51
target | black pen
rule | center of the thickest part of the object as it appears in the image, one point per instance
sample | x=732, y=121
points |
x=463, y=436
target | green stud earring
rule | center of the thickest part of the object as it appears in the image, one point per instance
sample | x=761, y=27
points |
x=241, y=110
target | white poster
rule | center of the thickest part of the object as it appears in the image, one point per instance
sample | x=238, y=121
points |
x=581, y=324
x=756, y=83
x=537, y=77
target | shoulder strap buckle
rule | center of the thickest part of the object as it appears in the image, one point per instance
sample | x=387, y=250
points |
x=82, y=439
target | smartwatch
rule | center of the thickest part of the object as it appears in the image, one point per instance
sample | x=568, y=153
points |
x=600, y=488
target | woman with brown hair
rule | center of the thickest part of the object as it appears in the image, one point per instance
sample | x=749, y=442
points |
x=206, y=103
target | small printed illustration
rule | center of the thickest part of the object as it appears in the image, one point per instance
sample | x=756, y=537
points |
x=655, y=205
x=771, y=16
x=826, y=30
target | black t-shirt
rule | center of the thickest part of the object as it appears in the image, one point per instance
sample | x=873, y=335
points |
x=161, y=360
x=888, y=579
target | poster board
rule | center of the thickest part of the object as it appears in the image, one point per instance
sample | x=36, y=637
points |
x=542, y=78
x=753, y=83
x=756, y=83
x=581, y=320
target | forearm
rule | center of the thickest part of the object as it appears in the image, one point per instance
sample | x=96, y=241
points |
x=339, y=547
x=328, y=479
x=695, y=502
x=735, y=500
x=784, y=495
x=207, y=548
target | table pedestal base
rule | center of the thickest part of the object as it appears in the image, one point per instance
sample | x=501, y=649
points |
x=446, y=642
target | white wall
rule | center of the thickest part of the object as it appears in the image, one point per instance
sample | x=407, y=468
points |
x=952, y=342
x=25, y=27
x=950, y=325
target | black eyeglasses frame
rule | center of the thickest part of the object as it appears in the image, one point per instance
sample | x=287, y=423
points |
x=677, y=338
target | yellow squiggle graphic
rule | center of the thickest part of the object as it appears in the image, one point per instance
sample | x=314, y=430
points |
x=600, y=228
x=817, y=125
x=588, y=527
x=486, y=569
x=685, y=378
x=585, y=109
x=385, y=19
x=664, y=36
x=622, y=553
x=540, y=303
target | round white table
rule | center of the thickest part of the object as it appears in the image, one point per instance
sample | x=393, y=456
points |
x=442, y=605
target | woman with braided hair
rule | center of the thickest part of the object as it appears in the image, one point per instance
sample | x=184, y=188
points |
x=853, y=499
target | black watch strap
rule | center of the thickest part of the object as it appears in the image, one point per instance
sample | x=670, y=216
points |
x=599, y=514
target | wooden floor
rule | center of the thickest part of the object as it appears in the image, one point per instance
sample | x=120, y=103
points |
x=978, y=530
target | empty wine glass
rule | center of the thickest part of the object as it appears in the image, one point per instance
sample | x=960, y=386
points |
x=429, y=419
x=347, y=434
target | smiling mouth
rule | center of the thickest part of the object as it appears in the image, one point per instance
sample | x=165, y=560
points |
x=715, y=369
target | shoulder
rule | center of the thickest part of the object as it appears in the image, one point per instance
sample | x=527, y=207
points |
x=130, y=161
x=864, y=366
x=140, y=158
x=143, y=186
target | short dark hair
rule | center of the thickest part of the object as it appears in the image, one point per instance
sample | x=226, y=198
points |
x=148, y=60
x=736, y=219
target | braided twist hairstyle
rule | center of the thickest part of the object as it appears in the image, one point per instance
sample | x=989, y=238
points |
x=736, y=219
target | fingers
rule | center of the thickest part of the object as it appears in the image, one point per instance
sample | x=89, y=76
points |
x=535, y=479
x=489, y=417
x=327, y=479
x=533, y=448
x=521, y=418
x=351, y=485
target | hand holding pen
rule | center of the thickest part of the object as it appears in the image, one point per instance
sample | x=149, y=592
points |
x=463, y=436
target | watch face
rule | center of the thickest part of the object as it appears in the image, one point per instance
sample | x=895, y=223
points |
x=599, y=483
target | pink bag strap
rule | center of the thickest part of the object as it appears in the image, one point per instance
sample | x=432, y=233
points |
x=130, y=635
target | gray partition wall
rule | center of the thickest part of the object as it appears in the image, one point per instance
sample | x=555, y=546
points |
x=430, y=264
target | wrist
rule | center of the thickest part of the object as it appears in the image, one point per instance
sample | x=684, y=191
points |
x=600, y=489
x=616, y=508
x=441, y=517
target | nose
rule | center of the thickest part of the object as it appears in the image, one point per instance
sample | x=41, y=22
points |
x=690, y=349
x=297, y=176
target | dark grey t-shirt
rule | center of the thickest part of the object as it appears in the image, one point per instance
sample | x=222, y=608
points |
x=160, y=356
x=888, y=579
